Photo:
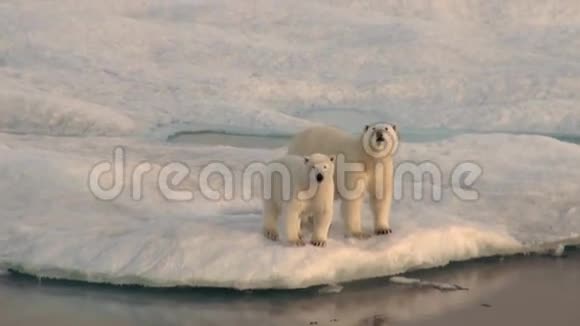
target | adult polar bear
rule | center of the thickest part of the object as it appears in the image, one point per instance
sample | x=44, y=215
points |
x=300, y=187
x=364, y=164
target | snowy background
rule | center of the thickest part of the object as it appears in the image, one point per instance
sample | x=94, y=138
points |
x=134, y=72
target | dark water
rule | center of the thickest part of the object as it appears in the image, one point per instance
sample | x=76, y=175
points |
x=276, y=141
x=499, y=291
x=230, y=139
x=569, y=139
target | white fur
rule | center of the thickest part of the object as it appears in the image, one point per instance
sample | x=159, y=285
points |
x=305, y=197
x=375, y=178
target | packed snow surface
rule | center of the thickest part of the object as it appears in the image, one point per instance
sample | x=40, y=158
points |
x=79, y=78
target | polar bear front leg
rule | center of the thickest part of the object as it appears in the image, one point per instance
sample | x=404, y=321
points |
x=321, y=226
x=381, y=208
x=381, y=199
x=350, y=210
x=292, y=217
x=270, y=220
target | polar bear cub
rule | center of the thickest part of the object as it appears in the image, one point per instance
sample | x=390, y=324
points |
x=364, y=164
x=299, y=187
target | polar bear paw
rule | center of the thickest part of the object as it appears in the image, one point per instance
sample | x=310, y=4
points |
x=271, y=234
x=318, y=243
x=383, y=231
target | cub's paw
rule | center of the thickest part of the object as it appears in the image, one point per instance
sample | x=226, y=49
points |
x=360, y=235
x=384, y=231
x=271, y=234
x=318, y=243
x=297, y=243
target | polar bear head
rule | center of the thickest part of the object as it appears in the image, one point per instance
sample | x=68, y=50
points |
x=380, y=140
x=320, y=167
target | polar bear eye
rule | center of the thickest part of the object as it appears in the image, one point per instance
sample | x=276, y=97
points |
x=325, y=167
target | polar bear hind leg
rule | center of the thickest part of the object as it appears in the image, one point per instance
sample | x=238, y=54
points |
x=350, y=210
x=292, y=219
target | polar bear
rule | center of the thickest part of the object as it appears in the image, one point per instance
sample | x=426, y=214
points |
x=364, y=164
x=299, y=187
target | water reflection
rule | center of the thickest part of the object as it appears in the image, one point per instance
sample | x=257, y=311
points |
x=277, y=141
x=374, y=302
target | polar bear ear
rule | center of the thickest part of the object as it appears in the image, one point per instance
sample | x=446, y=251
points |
x=395, y=127
x=332, y=158
x=367, y=127
x=306, y=159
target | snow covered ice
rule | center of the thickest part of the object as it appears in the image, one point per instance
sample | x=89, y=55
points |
x=62, y=231
x=79, y=78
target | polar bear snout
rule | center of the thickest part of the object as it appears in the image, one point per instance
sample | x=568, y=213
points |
x=380, y=136
x=319, y=177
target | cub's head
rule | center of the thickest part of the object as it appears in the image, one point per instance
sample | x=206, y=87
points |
x=380, y=140
x=320, y=167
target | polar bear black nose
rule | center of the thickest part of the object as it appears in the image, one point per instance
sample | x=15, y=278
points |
x=380, y=136
x=319, y=177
